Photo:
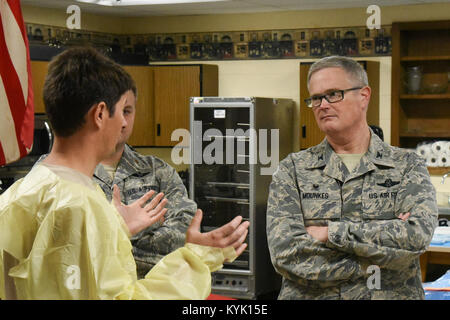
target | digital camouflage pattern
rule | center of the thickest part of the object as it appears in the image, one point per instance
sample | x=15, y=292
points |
x=137, y=174
x=361, y=209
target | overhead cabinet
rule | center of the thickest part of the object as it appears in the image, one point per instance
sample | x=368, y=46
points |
x=173, y=87
x=163, y=94
x=143, y=130
x=163, y=99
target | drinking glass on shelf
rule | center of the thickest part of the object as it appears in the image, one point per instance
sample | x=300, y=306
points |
x=413, y=79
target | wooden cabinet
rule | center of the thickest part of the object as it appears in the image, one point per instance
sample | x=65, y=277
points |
x=143, y=130
x=173, y=86
x=38, y=73
x=163, y=99
x=310, y=134
x=423, y=115
x=163, y=93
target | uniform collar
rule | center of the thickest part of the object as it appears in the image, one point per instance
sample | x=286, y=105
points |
x=128, y=165
x=101, y=174
x=380, y=153
x=323, y=155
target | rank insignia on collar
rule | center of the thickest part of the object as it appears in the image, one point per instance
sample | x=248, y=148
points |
x=388, y=183
x=379, y=155
x=320, y=157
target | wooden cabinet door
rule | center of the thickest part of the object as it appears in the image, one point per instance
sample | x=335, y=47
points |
x=143, y=132
x=310, y=134
x=373, y=74
x=38, y=74
x=174, y=85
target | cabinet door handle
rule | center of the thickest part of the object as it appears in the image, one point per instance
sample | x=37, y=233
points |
x=303, y=131
x=158, y=129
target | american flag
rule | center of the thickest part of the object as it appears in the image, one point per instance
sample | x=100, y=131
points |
x=16, y=92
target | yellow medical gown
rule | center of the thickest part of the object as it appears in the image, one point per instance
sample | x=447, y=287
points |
x=71, y=243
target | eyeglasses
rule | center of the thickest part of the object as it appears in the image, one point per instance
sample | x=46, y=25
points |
x=331, y=97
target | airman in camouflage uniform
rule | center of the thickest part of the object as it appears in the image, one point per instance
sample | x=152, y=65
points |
x=361, y=213
x=137, y=174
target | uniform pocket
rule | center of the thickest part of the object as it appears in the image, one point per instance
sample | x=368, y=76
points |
x=378, y=199
x=136, y=190
x=320, y=205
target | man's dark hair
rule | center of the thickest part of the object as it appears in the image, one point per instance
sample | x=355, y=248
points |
x=77, y=79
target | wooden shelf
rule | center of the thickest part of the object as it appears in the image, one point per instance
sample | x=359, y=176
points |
x=425, y=116
x=438, y=171
x=425, y=58
x=425, y=134
x=425, y=96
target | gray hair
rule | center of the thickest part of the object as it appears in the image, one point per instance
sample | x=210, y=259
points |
x=350, y=66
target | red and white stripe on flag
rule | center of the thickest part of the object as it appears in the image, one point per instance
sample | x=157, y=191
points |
x=16, y=92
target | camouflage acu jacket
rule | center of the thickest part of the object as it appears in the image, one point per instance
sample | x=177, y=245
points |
x=361, y=209
x=137, y=174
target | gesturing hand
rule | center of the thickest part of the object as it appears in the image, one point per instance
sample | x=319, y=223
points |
x=137, y=216
x=231, y=234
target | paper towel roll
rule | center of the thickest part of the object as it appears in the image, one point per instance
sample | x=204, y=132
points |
x=424, y=150
x=447, y=148
x=432, y=160
x=443, y=161
x=439, y=147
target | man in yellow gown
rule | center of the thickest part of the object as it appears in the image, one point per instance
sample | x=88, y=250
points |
x=59, y=236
